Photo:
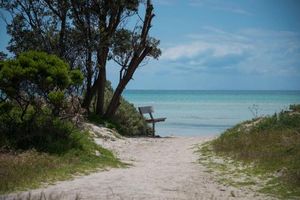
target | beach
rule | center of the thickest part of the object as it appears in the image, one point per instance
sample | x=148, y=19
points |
x=158, y=168
x=209, y=112
x=149, y=100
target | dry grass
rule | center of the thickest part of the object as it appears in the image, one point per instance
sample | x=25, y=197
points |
x=19, y=168
x=30, y=169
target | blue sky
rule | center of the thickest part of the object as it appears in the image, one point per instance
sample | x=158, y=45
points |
x=213, y=44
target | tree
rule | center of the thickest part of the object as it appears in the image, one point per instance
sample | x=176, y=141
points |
x=129, y=50
x=85, y=33
x=106, y=17
x=37, y=25
x=42, y=26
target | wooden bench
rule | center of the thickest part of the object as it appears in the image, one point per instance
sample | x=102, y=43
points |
x=149, y=110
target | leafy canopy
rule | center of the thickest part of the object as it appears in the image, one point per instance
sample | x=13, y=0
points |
x=36, y=76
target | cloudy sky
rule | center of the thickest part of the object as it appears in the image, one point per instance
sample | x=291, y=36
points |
x=214, y=44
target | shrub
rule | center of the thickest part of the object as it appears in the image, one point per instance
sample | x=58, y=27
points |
x=35, y=79
x=127, y=119
x=295, y=107
x=33, y=92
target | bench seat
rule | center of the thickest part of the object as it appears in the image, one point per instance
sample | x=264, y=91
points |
x=156, y=120
x=149, y=110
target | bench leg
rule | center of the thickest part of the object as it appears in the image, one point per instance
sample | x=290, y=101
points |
x=153, y=129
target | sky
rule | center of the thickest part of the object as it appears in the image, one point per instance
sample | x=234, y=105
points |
x=220, y=45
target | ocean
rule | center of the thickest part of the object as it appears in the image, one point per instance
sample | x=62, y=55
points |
x=208, y=113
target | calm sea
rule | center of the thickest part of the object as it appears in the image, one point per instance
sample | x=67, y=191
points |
x=207, y=113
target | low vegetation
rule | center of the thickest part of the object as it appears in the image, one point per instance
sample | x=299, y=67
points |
x=127, y=120
x=39, y=140
x=21, y=170
x=268, y=147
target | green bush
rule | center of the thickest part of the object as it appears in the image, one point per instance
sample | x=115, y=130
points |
x=295, y=107
x=35, y=79
x=127, y=119
x=40, y=131
x=33, y=92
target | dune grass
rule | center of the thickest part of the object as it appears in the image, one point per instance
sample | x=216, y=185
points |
x=267, y=147
x=22, y=170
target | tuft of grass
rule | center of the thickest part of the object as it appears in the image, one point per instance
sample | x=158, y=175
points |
x=22, y=170
x=270, y=146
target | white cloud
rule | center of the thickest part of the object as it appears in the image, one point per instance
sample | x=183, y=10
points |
x=196, y=48
x=215, y=41
x=182, y=51
x=221, y=5
x=256, y=51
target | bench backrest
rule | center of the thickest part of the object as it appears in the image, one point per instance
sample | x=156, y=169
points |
x=146, y=109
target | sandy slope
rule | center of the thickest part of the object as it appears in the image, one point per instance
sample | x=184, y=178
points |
x=163, y=168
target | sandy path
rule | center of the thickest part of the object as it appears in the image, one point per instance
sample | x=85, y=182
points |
x=163, y=168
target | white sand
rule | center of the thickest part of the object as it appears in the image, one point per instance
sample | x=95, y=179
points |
x=162, y=168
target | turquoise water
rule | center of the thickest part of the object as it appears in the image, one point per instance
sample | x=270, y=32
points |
x=206, y=113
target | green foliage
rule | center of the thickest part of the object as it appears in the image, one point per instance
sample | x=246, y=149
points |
x=76, y=77
x=127, y=120
x=56, y=98
x=33, y=92
x=272, y=143
x=36, y=77
x=125, y=42
x=130, y=122
x=35, y=73
x=295, y=108
x=40, y=130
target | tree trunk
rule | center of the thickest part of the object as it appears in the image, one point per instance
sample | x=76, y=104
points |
x=101, y=91
x=138, y=56
x=62, y=36
x=102, y=57
x=89, y=66
x=115, y=101
x=89, y=95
